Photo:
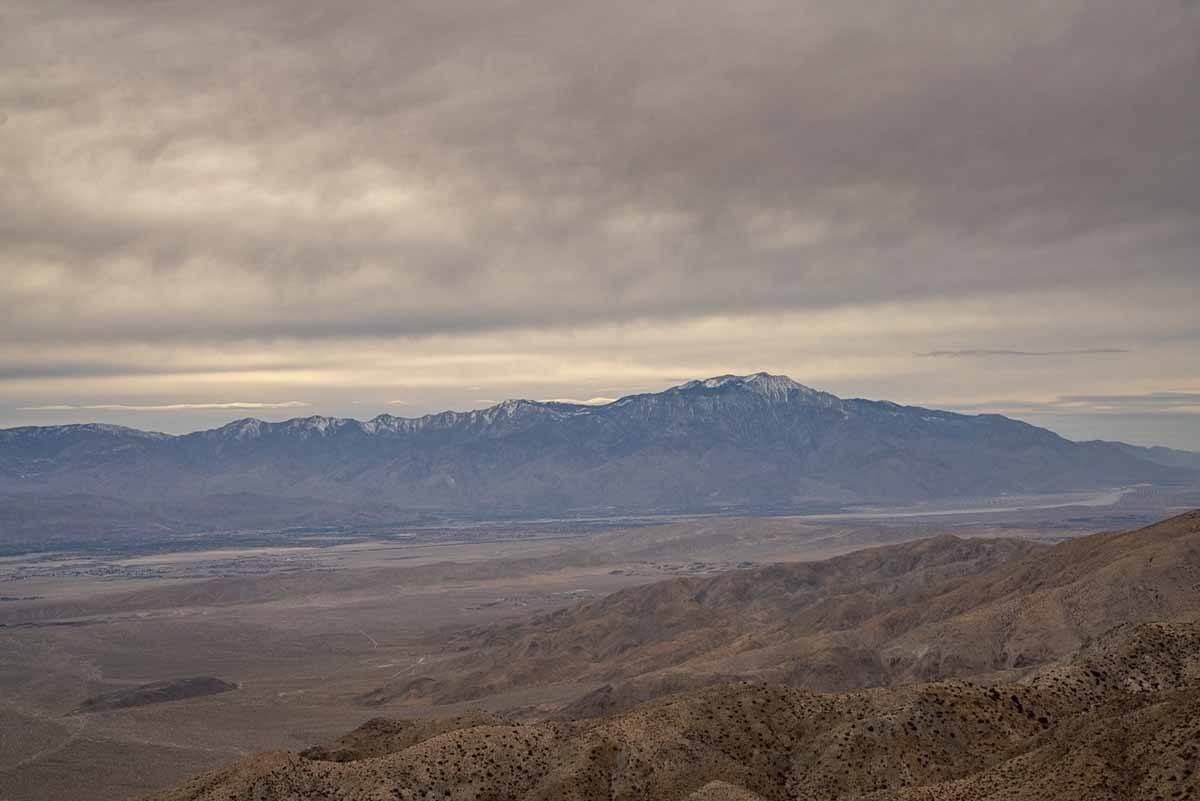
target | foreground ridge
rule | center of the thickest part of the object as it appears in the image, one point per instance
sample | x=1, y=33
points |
x=1117, y=718
x=1120, y=721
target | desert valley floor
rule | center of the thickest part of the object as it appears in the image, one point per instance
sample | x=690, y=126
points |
x=289, y=644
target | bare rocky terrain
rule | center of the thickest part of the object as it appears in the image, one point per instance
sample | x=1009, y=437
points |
x=306, y=624
x=458, y=631
x=925, y=610
x=1120, y=721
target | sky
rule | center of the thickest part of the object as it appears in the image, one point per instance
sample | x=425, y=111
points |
x=276, y=209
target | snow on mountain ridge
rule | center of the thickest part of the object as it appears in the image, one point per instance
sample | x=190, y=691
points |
x=774, y=388
x=756, y=441
x=72, y=428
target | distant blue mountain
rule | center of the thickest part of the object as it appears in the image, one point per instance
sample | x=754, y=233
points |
x=756, y=441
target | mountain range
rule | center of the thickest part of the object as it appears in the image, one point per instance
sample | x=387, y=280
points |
x=751, y=442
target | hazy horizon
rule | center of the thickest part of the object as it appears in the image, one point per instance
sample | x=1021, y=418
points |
x=1076, y=426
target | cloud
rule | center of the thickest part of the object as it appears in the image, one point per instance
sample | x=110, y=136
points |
x=117, y=369
x=164, y=407
x=986, y=352
x=1187, y=402
x=1144, y=403
x=397, y=403
x=560, y=166
x=536, y=199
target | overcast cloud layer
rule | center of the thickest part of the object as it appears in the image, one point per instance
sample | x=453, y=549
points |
x=310, y=207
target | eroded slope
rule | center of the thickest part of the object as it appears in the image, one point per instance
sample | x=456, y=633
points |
x=1120, y=721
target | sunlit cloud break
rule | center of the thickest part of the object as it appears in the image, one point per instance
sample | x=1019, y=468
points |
x=1150, y=402
x=985, y=352
x=163, y=407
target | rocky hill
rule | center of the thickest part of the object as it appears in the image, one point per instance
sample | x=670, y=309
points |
x=1118, y=722
x=1078, y=666
x=917, y=611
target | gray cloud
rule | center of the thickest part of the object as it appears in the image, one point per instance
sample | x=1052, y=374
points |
x=987, y=352
x=1145, y=403
x=292, y=186
x=302, y=170
x=118, y=369
x=165, y=407
x=1150, y=399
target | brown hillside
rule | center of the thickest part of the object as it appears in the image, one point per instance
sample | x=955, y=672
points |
x=918, y=611
x=1121, y=722
x=686, y=624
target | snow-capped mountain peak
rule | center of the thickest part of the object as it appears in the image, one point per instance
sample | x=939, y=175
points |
x=246, y=428
x=773, y=387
